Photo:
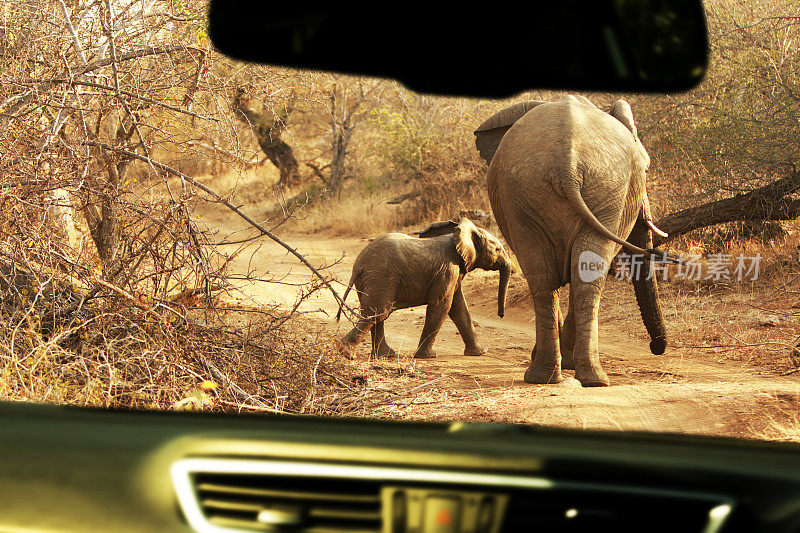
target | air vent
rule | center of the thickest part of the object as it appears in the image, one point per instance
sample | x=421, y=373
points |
x=232, y=495
x=220, y=501
x=294, y=503
x=618, y=511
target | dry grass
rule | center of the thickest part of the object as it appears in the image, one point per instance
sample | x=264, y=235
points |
x=253, y=186
x=753, y=321
x=360, y=210
x=395, y=388
x=360, y=215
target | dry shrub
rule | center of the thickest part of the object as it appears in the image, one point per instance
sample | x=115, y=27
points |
x=129, y=358
x=443, y=197
x=718, y=238
x=146, y=326
x=780, y=258
x=749, y=321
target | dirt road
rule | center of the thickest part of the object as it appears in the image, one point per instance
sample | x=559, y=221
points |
x=684, y=390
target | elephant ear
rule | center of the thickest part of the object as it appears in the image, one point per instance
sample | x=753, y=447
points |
x=488, y=134
x=468, y=240
x=621, y=111
x=438, y=228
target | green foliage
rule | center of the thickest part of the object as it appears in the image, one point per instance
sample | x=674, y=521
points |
x=403, y=145
x=201, y=31
x=372, y=185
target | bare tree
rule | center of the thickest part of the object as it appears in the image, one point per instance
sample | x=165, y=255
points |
x=80, y=104
x=346, y=99
x=106, y=101
x=109, y=110
x=268, y=125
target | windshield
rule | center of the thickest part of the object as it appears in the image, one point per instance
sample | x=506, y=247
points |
x=181, y=231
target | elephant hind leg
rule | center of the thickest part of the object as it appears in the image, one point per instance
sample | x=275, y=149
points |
x=545, y=366
x=585, y=302
x=347, y=344
x=566, y=339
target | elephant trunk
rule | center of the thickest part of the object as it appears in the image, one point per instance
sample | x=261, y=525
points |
x=505, y=275
x=646, y=288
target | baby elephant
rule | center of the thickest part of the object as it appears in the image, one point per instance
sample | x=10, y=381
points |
x=396, y=271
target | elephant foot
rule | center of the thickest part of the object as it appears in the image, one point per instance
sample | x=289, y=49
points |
x=475, y=350
x=592, y=377
x=425, y=354
x=345, y=349
x=541, y=376
x=385, y=352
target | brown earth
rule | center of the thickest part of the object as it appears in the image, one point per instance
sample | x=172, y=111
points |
x=704, y=390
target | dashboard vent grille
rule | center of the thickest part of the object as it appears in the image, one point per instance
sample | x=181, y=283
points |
x=239, y=495
x=582, y=510
x=289, y=503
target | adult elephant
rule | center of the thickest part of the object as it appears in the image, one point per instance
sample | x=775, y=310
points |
x=566, y=182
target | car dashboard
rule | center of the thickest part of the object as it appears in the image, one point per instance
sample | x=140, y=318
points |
x=144, y=471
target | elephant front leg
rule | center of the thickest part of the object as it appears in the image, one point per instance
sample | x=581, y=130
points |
x=435, y=314
x=459, y=314
x=545, y=366
x=379, y=346
x=566, y=335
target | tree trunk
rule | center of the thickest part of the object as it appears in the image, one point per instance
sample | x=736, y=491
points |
x=770, y=202
x=282, y=156
x=267, y=127
x=344, y=105
x=336, y=178
x=100, y=207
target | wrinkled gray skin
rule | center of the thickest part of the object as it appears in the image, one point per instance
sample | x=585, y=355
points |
x=566, y=178
x=396, y=271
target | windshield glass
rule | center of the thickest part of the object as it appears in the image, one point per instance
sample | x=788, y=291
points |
x=181, y=231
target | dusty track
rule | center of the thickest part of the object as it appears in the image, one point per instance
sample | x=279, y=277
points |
x=682, y=391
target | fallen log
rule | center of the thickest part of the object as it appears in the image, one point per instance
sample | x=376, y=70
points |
x=770, y=202
x=403, y=197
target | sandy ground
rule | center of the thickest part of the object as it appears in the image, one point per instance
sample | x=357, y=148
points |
x=685, y=390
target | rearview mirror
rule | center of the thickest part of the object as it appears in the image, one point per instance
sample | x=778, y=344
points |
x=602, y=45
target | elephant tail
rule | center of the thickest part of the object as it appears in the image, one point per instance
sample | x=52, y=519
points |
x=344, y=296
x=574, y=197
